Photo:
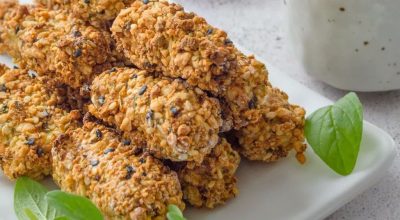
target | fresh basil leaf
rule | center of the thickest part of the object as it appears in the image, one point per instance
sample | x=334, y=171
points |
x=29, y=201
x=73, y=206
x=174, y=213
x=62, y=218
x=30, y=214
x=335, y=132
x=174, y=216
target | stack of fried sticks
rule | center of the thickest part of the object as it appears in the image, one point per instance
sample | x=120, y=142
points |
x=135, y=105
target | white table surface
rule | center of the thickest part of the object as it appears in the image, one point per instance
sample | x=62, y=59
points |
x=259, y=26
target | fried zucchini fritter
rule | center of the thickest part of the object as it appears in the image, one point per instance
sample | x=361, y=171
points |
x=94, y=161
x=213, y=182
x=29, y=123
x=180, y=123
x=53, y=42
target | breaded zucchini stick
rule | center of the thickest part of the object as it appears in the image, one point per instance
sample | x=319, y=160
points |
x=275, y=128
x=29, y=123
x=97, y=12
x=162, y=37
x=213, y=182
x=180, y=123
x=53, y=42
x=94, y=161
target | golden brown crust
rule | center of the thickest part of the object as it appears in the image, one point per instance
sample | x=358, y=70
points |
x=5, y=5
x=94, y=161
x=161, y=36
x=98, y=12
x=29, y=123
x=213, y=182
x=53, y=42
x=275, y=128
x=180, y=123
x=10, y=12
x=245, y=84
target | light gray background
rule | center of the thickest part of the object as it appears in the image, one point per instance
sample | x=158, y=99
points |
x=259, y=26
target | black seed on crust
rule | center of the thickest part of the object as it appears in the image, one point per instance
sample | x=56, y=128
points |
x=109, y=150
x=77, y=33
x=252, y=103
x=78, y=53
x=142, y=90
x=149, y=115
x=40, y=151
x=174, y=111
x=99, y=134
x=32, y=74
x=30, y=141
x=228, y=41
x=129, y=172
x=126, y=142
x=94, y=163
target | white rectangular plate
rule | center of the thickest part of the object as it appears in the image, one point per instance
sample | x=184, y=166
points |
x=284, y=190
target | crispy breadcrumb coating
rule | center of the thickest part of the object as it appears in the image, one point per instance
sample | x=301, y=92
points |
x=276, y=127
x=29, y=123
x=162, y=37
x=5, y=5
x=53, y=42
x=213, y=182
x=95, y=162
x=243, y=91
x=97, y=12
x=180, y=123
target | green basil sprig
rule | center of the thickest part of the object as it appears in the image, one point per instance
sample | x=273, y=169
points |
x=174, y=213
x=73, y=206
x=32, y=201
x=335, y=132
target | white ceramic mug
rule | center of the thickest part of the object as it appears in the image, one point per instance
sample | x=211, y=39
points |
x=349, y=44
